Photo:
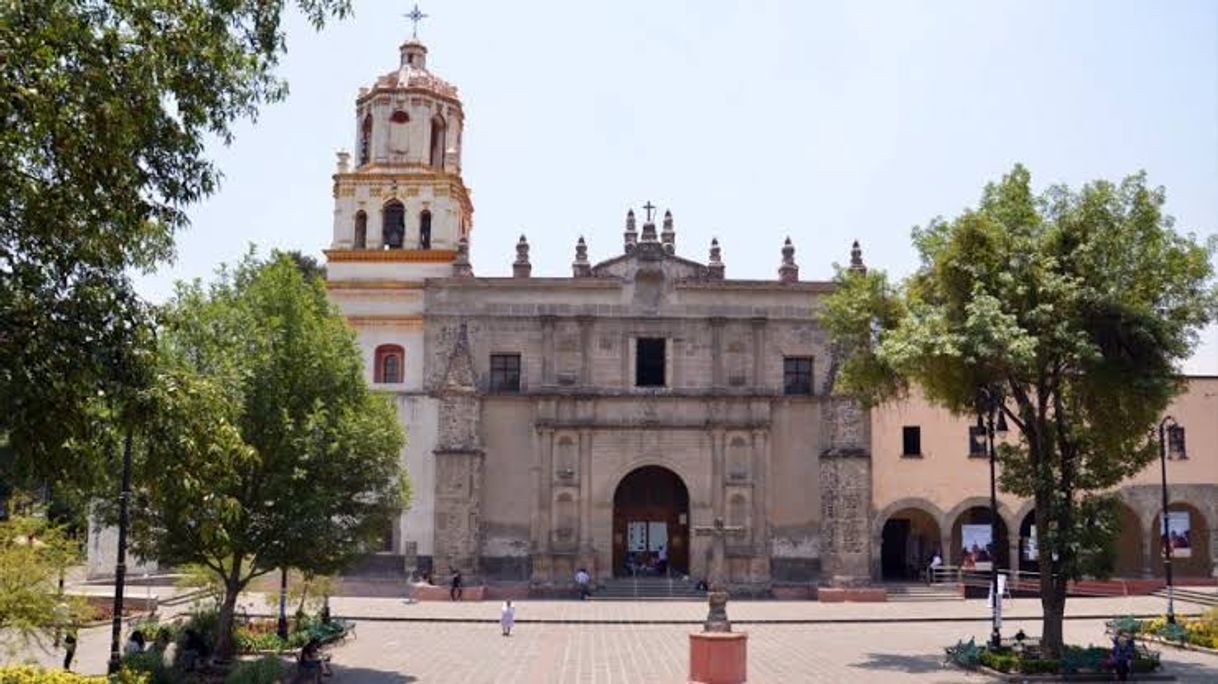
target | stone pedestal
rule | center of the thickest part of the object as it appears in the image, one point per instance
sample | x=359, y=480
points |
x=718, y=657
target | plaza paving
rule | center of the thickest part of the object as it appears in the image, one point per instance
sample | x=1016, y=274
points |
x=569, y=641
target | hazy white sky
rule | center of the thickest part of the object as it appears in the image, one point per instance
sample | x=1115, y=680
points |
x=751, y=121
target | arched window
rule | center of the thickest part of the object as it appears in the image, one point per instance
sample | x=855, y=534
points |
x=400, y=117
x=425, y=229
x=393, y=224
x=365, y=140
x=361, y=230
x=389, y=361
x=437, y=141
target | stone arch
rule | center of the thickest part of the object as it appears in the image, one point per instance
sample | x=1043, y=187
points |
x=977, y=510
x=608, y=486
x=439, y=130
x=393, y=224
x=905, y=533
x=1193, y=558
x=360, y=235
x=425, y=229
x=1130, y=543
x=650, y=518
x=365, y=140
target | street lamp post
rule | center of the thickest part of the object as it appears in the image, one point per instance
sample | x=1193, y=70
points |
x=989, y=405
x=120, y=567
x=1166, y=538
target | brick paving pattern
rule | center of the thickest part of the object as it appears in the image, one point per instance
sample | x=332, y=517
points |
x=388, y=651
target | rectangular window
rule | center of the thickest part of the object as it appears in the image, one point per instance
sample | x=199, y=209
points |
x=911, y=437
x=1175, y=442
x=649, y=362
x=797, y=375
x=505, y=373
x=976, y=441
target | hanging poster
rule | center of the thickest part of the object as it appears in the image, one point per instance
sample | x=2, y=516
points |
x=657, y=535
x=636, y=536
x=976, y=547
x=1031, y=551
x=1178, y=535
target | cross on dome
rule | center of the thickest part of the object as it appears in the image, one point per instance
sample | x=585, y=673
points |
x=650, y=208
x=415, y=15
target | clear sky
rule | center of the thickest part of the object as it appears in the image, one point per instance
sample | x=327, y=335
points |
x=752, y=121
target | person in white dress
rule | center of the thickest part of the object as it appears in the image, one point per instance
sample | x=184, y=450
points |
x=507, y=617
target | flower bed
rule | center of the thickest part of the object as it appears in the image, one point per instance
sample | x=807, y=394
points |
x=1201, y=632
x=1017, y=659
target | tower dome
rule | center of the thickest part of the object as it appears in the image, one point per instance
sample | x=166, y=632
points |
x=400, y=197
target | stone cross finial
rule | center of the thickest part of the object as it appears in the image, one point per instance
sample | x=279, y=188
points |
x=649, y=226
x=856, y=258
x=580, y=267
x=715, y=266
x=789, y=271
x=668, y=236
x=716, y=618
x=650, y=208
x=631, y=235
x=461, y=265
x=521, y=268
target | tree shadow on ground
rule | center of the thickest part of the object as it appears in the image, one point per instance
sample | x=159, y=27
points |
x=363, y=675
x=920, y=664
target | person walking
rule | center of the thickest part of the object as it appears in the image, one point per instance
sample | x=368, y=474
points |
x=507, y=617
x=662, y=564
x=454, y=593
x=69, y=647
x=582, y=578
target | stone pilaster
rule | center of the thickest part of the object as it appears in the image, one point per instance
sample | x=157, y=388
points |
x=459, y=466
x=845, y=490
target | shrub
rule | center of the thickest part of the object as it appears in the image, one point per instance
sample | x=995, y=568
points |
x=26, y=674
x=1003, y=662
x=150, y=663
x=1039, y=666
x=265, y=670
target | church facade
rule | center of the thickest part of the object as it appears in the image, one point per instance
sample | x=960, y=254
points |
x=593, y=419
x=588, y=420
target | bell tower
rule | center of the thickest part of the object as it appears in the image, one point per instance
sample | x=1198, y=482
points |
x=401, y=208
x=402, y=214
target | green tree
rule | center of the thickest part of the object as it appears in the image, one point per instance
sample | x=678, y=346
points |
x=106, y=112
x=34, y=553
x=261, y=444
x=1075, y=307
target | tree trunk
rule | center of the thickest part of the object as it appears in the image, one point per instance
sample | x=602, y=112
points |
x=1054, y=605
x=232, y=589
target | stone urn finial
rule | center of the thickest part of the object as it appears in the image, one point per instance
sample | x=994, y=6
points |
x=668, y=235
x=580, y=268
x=631, y=236
x=789, y=271
x=856, y=258
x=521, y=268
x=715, y=267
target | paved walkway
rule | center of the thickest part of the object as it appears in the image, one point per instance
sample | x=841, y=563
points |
x=905, y=647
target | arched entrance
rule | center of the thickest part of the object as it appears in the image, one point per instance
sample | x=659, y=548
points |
x=1029, y=545
x=971, y=543
x=650, y=511
x=909, y=538
x=1189, y=536
x=1129, y=549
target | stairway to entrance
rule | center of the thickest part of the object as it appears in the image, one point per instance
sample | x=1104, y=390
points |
x=643, y=588
x=917, y=591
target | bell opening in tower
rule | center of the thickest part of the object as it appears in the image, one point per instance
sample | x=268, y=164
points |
x=394, y=227
x=438, y=129
x=425, y=229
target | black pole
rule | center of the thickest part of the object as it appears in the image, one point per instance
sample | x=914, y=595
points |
x=1166, y=538
x=995, y=600
x=283, y=604
x=120, y=568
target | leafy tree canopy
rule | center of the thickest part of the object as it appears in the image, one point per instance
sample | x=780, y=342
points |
x=34, y=553
x=106, y=107
x=261, y=444
x=1075, y=307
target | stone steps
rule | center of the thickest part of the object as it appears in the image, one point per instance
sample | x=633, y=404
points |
x=643, y=588
x=1191, y=596
x=912, y=593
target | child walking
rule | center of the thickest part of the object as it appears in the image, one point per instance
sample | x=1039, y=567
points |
x=507, y=617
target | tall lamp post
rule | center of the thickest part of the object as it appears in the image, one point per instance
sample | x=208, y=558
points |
x=120, y=567
x=1164, y=425
x=991, y=419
